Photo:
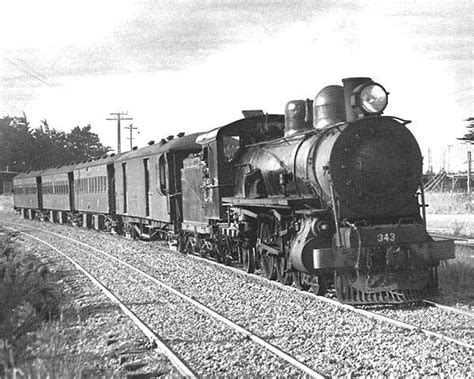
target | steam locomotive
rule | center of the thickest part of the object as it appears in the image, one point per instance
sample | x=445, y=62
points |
x=327, y=195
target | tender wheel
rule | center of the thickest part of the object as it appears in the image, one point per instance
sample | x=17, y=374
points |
x=219, y=255
x=248, y=257
x=339, y=284
x=224, y=253
x=181, y=244
x=301, y=280
x=134, y=234
x=268, y=266
x=191, y=245
x=284, y=275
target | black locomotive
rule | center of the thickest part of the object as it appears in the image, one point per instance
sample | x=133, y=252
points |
x=328, y=194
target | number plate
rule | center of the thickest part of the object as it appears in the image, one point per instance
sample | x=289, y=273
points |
x=386, y=237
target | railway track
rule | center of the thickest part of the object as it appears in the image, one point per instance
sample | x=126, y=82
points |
x=381, y=315
x=175, y=360
x=304, y=342
x=180, y=364
x=448, y=308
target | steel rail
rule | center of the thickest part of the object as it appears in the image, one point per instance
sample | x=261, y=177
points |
x=366, y=313
x=449, y=309
x=274, y=349
x=180, y=365
x=349, y=307
x=390, y=320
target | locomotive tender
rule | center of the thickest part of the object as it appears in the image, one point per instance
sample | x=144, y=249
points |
x=328, y=194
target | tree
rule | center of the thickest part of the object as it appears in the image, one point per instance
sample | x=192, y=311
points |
x=23, y=149
x=56, y=147
x=85, y=144
x=469, y=136
x=16, y=144
x=51, y=146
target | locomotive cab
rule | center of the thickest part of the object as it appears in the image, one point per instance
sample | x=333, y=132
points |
x=210, y=175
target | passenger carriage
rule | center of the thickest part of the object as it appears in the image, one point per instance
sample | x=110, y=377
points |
x=148, y=187
x=27, y=197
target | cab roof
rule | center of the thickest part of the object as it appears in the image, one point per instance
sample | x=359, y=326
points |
x=252, y=129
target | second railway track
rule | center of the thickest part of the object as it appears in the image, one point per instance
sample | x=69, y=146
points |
x=198, y=339
x=321, y=336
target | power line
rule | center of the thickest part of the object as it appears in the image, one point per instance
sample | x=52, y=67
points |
x=118, y=117
x=33, y=74
x=32, y=69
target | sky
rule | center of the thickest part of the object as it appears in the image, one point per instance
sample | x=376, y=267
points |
x=192, y=65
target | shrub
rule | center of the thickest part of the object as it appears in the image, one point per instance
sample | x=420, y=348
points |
x=456, y=277
x=27, y=299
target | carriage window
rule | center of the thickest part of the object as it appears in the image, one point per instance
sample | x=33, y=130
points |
x=162, y=174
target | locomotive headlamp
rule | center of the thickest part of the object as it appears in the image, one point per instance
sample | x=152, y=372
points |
x=372, y=98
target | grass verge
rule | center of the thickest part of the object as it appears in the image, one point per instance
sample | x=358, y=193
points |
x=83, y=335
x=27, y=299
x=449, y=203
x=456, y=277
x=6, y=204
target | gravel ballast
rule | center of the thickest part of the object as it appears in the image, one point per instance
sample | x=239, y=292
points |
x=334, y=340
x=92, y=337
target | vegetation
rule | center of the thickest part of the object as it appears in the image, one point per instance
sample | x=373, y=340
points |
x=27, y=298
x=456, y=277
x=469, y=136
x=449, y=203
x=45, y=332
x=23, y=148
x=6, y=204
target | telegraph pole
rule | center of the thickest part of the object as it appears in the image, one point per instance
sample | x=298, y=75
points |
x=131, y=128
x=119, y=117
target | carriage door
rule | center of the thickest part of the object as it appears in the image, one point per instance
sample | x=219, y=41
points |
x=39, y=192
x=111, y=188
x=124, y=185
x=147, y=186
x=70, y=178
